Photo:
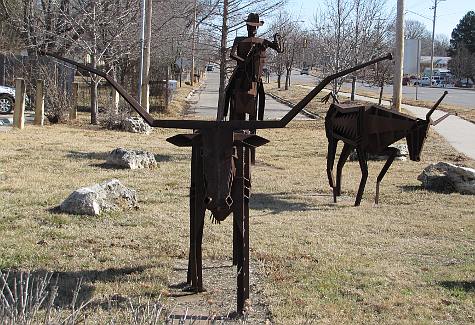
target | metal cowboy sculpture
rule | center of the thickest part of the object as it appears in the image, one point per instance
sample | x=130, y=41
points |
x=220, y=173
x=244, y=93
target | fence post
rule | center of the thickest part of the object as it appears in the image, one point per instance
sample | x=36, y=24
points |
x=19, y=112
x=115, y=101
x=40, y=102
x=73, y=110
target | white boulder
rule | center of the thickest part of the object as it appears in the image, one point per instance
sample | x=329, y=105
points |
x=132, y=159
x=99, y=198
x=447, y=177
x=136, y=125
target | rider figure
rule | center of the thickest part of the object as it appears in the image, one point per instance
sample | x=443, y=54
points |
x=245, y=88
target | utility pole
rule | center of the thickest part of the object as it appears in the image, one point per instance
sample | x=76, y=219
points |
x=192, y=73
x=222, y=63
x=432, y=46
x=142, y=36
x=146, y=57
x=398, y=57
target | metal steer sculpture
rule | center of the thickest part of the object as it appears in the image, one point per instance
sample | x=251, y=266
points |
x=371, y=129
x=220, y=173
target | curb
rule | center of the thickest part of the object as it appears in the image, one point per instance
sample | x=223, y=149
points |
x=291, y=105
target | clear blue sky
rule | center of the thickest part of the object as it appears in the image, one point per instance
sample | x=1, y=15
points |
x=449, y=12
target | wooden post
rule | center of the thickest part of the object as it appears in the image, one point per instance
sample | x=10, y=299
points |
x=40, y=103
x=115, y=101
x=19, y=113
x=73, y=112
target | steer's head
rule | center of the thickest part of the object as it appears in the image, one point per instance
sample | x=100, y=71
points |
x=417, y=135
x=217, y=151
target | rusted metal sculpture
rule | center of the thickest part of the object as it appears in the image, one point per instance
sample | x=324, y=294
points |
x=244, y=93
x=221, y=183
x=221, y=178
x=371, y=129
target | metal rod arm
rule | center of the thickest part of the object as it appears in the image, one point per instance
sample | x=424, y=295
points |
x=304, y=102
x=436, y=105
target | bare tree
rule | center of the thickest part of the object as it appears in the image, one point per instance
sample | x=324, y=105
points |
x=414, y=29
x=350, y=32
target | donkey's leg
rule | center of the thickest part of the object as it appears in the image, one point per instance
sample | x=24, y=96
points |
x=332, y=143
x=392, y=152
x=345, y=153
x=364, y=174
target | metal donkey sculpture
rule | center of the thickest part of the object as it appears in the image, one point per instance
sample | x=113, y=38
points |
x=220, y=173
x=371, y=129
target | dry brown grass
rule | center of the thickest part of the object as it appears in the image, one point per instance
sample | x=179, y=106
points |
x=408, y=260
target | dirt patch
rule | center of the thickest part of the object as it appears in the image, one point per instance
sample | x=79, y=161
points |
x=218, y=303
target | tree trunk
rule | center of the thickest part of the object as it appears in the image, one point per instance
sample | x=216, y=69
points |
x=279, y=77
x=381, y=92
x=2, y=69
x=353, y=88
x=222, y=63
x=93, y=90
x=287, y=79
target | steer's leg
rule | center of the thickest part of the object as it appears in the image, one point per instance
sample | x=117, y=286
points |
x=200, y=220
x=332, y=143
x=364, y=174
x=241, y=231
x=392, y=152
x=194, y=188
x=197, y=213
x=345, y=153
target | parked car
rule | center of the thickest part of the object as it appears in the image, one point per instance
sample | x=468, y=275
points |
x=7, y=99
x=424, y=81
x=464, y=83
x=209, y=67
x=304, y=71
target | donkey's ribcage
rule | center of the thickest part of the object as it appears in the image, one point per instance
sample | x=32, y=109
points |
x=345, y=126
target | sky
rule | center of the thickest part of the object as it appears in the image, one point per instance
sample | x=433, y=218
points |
x=449, y=12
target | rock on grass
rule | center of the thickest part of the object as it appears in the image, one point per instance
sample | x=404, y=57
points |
x=96, y=199
x=132, y=159
x=446, y=177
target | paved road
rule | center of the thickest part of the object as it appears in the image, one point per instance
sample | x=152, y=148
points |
x=462, y=97
x=206, y=100
x=6, y=120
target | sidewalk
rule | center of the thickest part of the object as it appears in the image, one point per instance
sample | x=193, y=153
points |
x=457, y=131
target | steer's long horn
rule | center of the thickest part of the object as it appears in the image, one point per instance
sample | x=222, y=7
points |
x=128, y=98
x=236, y=124
x=435, y=106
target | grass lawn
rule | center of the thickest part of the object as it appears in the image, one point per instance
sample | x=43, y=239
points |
x=410, y=260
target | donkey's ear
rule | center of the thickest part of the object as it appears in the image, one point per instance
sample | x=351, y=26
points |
x=182, y=140
x=250, y=140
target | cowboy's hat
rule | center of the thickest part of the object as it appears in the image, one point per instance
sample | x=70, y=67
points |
x=253, y=20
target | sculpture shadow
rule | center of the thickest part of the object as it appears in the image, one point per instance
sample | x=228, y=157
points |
x=79, y=155
x=466, y=286
x=278, y=202
x=416, y=188
x=67, y=282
